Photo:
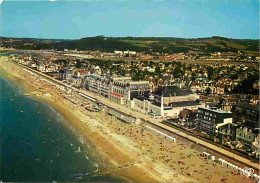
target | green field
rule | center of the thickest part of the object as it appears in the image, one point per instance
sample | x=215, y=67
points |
x=141, y=44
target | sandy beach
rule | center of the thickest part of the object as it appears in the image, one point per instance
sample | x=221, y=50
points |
x=132, y=151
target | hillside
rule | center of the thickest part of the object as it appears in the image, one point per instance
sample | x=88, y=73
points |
x=141, y=44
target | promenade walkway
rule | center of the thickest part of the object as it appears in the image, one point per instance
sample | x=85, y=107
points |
x=153, y=121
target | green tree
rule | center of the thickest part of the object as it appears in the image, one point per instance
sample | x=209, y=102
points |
x=158, y=71
x=78, y=64
x=226, y=90
x=210, y=72
x=151, y=63
x=193, y=76
x=208, y=90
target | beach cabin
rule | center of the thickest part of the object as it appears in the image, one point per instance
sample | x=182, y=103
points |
x=244, y=172
x=224, y=163
x=219, y=160
x=236, y=168
x=208, y=155
x=257, y=178
x=229, y=165
x=240, y=170
x=212, y=158
x=205, y=154
x=233, y=167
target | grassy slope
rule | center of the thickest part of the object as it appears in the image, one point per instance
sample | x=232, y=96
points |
x=146, y=44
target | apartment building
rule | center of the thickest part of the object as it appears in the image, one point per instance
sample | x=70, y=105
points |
x=98, y=84
x=120, y=90
x=210, y=119
x=65, y=74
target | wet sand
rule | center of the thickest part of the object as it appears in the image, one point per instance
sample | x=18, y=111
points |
x=135, y=153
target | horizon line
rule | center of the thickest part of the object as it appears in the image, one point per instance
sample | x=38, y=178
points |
x=129, y=37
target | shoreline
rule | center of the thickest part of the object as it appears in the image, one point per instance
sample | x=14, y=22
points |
x=76, y=123
x=100, y=145
x=135, y=155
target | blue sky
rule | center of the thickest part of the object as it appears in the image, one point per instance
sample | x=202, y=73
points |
x=162, y=18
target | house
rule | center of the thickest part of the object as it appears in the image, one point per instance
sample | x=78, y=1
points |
x=187, y=117
x=246, y=117
x=121, y=53
x=129, y=53
x=227, y=131
x=246, y=114
x=65, y=74
x=75, y=81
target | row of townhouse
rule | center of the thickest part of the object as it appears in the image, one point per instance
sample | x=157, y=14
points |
x=215, y=88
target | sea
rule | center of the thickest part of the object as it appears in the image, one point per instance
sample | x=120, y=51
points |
x=37, y=144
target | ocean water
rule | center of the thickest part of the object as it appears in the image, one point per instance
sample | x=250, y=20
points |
x=37, y=146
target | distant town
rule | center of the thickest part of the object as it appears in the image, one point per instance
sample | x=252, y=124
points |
x=213, y=96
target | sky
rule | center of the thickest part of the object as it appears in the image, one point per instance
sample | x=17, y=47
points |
x=64, y=19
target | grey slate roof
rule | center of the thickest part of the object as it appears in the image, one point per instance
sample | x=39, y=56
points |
x=248, y=106
x=167, y=91
x=184, y=103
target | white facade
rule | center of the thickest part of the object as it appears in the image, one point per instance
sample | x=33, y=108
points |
x=117, y=89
